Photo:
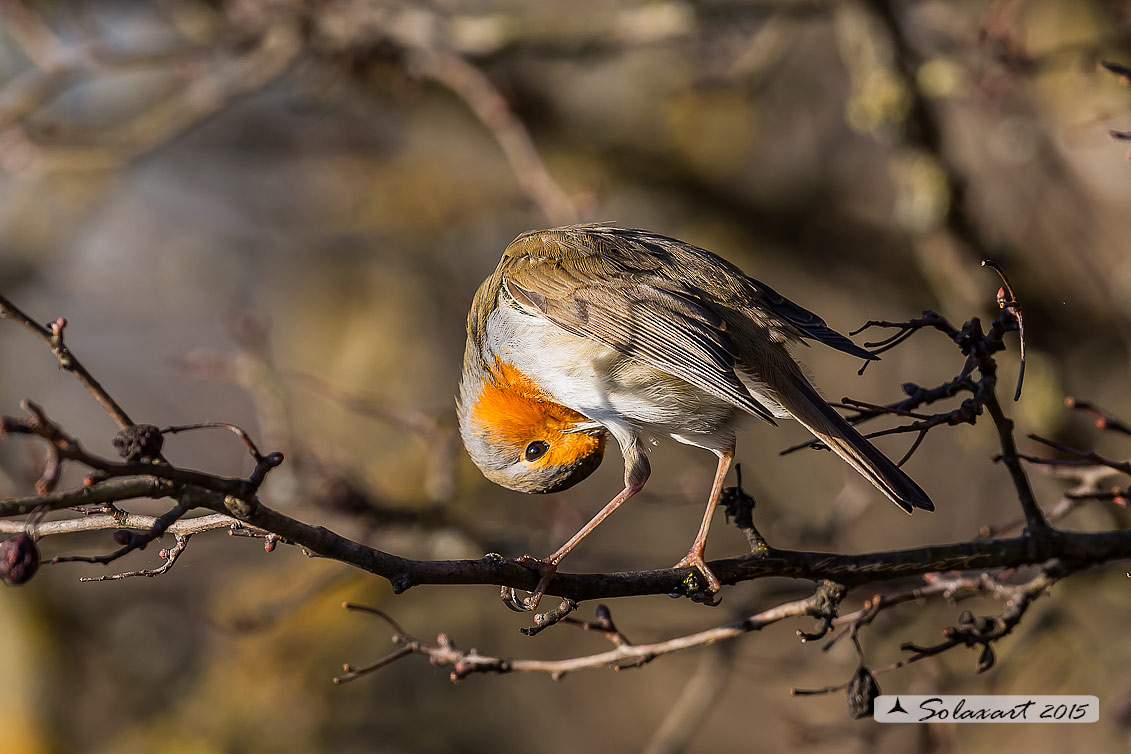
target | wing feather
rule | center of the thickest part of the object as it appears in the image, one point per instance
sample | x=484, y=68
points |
x=809, y=324
x=658, y=300
x=655, y=320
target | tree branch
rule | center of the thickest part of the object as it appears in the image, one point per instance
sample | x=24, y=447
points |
x=234, y=499
x=53, y=337
x=623, y=655
x=403, y=573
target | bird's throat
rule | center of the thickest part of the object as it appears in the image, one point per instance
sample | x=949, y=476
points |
x=514, y=410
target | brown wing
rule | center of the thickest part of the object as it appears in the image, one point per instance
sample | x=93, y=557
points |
x=587, y=283
x=713, y=280
x=808, y=324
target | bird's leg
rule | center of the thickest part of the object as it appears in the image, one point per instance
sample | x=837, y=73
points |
x=636, y=474
x=548, y=567
x=694, y=556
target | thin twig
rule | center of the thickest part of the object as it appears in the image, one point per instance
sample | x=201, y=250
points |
x=122, y=520
x=1104, y=420
x=1034, y=517
x=1007, y=300
x=131, y=541
x=1085, y=457
x=240, y=433
x=971, y=630
x=623, y=654
x=170, y=556
x=53, y=337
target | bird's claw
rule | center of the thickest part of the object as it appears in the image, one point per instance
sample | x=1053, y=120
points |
x=710, y=599
x=511, y=599
x=546, y=571
x=709, y=595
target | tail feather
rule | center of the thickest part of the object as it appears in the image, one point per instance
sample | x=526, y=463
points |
x=842, y=438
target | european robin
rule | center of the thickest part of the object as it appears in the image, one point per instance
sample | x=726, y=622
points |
x=588, y=331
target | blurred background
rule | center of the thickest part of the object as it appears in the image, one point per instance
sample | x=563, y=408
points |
x=276, y=214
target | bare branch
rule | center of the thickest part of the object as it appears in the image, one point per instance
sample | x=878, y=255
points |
x=1007, y=300
x=53, y=337
x=972, y=630
x=170, y=556
x=69, y=449
x=1034, y=517
x=120, y=520
x=236, y=499
x=240, y=433
x=109, y=491
x=1104, y=420
x=130, y=541
x=404, y=573
x=1085, y=457
x=623, y=654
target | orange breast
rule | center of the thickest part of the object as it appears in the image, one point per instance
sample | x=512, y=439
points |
x=515, y=411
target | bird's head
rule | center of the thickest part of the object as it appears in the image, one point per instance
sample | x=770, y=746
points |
x=519, y=438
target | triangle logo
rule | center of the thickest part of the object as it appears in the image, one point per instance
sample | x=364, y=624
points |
x=897, y=707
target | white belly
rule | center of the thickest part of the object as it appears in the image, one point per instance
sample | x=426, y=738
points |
x=630, y=398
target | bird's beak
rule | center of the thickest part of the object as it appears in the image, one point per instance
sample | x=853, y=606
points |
x=588, y=427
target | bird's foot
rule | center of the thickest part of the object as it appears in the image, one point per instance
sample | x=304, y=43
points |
x=546, y=570
x=705, y=591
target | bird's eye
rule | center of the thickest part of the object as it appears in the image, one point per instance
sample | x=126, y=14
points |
x=536, y=450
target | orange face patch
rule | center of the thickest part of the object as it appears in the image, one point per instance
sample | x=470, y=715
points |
x=515, y=412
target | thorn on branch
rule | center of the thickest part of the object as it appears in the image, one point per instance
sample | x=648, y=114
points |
x=914, y=446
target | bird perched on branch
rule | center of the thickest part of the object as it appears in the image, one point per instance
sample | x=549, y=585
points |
x=588, y=331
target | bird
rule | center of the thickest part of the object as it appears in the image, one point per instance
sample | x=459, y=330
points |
x=589, y=331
